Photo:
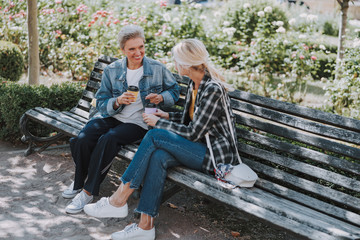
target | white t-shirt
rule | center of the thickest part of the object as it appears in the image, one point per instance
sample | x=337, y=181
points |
x=132, y=113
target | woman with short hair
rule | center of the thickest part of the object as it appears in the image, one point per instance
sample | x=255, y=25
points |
x=119, y=118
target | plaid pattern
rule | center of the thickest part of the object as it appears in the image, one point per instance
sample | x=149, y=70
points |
x=209, y=116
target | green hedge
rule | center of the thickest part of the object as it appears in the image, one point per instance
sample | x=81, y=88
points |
x=11, y=61
x=15, y=99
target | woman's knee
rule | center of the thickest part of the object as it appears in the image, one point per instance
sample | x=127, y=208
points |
x=163, y=159
x=158, y=134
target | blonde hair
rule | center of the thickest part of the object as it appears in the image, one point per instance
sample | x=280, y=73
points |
x=130, y=32
x=192, y=53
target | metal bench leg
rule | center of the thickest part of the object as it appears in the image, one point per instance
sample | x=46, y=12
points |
x=32, y=140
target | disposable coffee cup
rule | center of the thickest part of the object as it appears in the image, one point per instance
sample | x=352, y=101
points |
x=134, y=90
x=150, y=108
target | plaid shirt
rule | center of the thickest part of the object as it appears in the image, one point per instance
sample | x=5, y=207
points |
x=209, y=116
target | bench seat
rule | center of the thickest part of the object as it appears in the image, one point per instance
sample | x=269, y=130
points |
x=308, y=161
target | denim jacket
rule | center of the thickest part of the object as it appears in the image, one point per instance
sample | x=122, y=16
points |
x=156, y=79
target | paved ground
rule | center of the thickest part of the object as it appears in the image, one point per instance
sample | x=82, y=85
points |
x=31, y=206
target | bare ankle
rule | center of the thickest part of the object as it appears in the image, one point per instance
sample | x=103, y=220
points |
x=87, y=193
x=115, y=202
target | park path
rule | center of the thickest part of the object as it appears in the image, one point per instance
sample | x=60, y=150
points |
x=31, y=206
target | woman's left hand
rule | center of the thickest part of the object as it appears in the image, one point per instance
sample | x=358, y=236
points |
x=150, y=119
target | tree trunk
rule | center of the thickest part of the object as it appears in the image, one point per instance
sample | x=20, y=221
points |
x=343, y=20
x=344, y=6
x=33, y=43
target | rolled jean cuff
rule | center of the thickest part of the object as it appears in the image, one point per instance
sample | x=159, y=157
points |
x=154, y=215
x=126, y=181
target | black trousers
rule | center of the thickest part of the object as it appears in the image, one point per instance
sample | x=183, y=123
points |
x=94, y=149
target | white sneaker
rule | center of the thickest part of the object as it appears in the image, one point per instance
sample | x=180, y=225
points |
x=133, y=232
x=70, y=192
x=78, y=203
x=103, y=209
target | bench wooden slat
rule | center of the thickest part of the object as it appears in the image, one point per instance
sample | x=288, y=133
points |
x=80, y=112
x=107, y=59
x=52, y=123
x=88, y=94
x=297, y=122
x=266, y=201
x=99, y=66
x=93, y=84
x=95, y=76
x=77, y=117
x=298, y=110
x=301, y=167
x=85, y=104
x=325, y=192
x=300, y=151
x=59, y=116
x=309, y=139
x=308, y=201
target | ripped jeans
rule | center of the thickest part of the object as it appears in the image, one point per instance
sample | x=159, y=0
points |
x=159, y=150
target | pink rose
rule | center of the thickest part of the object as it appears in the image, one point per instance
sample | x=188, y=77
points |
x=313, y=58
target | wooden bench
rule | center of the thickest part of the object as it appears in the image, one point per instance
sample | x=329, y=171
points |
x=308, y=161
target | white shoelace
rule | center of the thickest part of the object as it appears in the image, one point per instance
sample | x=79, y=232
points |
x=80, y=199
x=130, y=228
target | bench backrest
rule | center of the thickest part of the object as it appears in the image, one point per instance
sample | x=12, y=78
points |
x=305, y=155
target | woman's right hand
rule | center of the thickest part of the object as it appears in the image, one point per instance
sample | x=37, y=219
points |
x=162, y=114
x=126, y=98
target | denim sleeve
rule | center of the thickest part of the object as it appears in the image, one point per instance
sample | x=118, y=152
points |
x=171, y=89
x=104, y=97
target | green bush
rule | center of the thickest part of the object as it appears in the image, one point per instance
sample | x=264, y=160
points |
x=344, y=91
x=330, y=29
x=325, y=66
x=254, y=20
x=15, y=99
x=11, y=61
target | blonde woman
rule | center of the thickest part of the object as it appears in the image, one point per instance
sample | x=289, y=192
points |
x=176, y=139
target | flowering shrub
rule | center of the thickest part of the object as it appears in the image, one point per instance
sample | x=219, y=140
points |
x=248, y=21
x=345, y=91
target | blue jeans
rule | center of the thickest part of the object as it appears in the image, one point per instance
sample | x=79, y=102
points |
x=159, y=150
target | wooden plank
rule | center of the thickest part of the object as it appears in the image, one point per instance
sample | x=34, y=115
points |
x=297, y=110
x=80, y=112
x=74, y=116
x=93, y=85
x=107, y=59
x=95, y=76
x=301, y=167
x=297, y=122
x=60, y=117
x=286, y=147
x=88, y=94
x=85, y=104
x=308, y=201
x=326, y=192
x=99, y=66
x=299, y=136
x=252, y=201
x=52, y=123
